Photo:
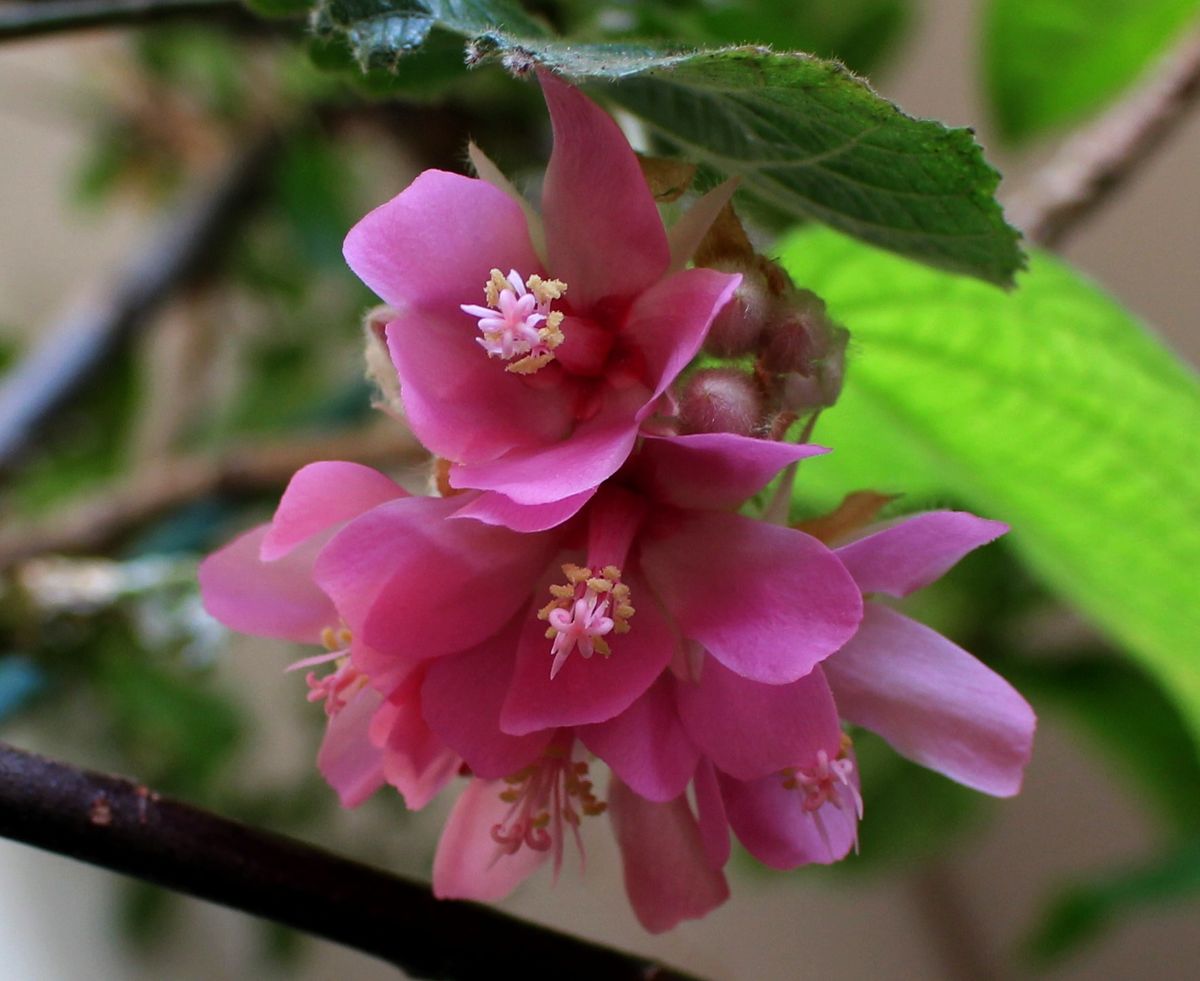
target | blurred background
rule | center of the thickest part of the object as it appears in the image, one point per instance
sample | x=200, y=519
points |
x=107, y=660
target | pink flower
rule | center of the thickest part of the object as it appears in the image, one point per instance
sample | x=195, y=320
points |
x=531, y=368
x=262, y=583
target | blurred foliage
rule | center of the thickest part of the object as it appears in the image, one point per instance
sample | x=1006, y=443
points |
x=1052, y=62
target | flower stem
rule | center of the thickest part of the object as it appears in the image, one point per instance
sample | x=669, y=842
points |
x=32, y=19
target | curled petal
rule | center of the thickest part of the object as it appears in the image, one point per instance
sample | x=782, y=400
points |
x=646, y=745
x=713, y=470
x=434, y=244
x=604, y=235
x=468, y=863
x=749, y=729
x=667, y=874
x=767, y=602
x=933, y=702
x=915, y=551
x=321, y=496
x=267, y=599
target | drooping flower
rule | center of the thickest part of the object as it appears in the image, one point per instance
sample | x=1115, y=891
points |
x=536, y=395
x=262, y=584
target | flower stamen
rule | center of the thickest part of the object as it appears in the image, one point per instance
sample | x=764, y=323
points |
x=517, y=321
x=827, y=781
x=584, y=611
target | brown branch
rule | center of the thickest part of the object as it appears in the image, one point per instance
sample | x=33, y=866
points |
x=123, y=826
x=103, y=519
x=75, y=351
x=38, y=17
x=1092, y=165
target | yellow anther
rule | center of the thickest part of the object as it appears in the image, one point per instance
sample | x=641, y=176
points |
x=612, y=572
x=560, y=591
x=329, y=639
x=541, y=820
x=601, y=645
x=576, y=573
x=497, y=283
x=545, y=290
x=551, y=633
x=510, y=796
x=600, y=585
x=530, y=363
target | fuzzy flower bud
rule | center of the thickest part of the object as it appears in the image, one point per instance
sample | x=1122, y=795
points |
x=720, y=400
x=738, y=328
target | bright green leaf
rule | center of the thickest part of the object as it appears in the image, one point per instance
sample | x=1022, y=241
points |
x=1050, y=408
x=1052, y=62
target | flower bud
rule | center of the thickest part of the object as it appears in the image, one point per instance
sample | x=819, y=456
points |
x=797, y=333
x=821, y=387
x=720, y=400
x=737, y=328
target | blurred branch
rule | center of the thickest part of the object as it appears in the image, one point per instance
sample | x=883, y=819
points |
x=102, y=519
x=1092, y=165
x=70, y=354
x=123, y=826
x=37, y=17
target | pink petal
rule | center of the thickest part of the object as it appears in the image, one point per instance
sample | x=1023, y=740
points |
x=767, y=602
x=496, y=509
x=770, y=821
x=666, y=325
x=591, y=689
x=469, y=864
x=321, y=496
x=933, y=702
x=348, y=760
x=433, y=245
x=460, y=403
x=710, y=812
x=268, y=599
x=646, y=745
x=749, y=729
x=412, y=585
x=667, y=874
x=914, y=552
x=415, y=759
x=604, y=235
x=713, y=470
x=567, y=469
x=461, y=700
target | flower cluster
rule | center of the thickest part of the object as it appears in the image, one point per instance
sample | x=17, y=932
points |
x=587, y=585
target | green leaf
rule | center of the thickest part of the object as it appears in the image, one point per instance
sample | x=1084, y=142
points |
x=807, y=138
x=856, y=32
x=1050, y=408
x=1129, y=717
x=1082, y=911
x=1055, y=61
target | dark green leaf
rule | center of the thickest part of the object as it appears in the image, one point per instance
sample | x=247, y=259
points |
x=1082, y=911
x=806, y=137
x=1050, y=408
x=1052, y=62
x=856, y=32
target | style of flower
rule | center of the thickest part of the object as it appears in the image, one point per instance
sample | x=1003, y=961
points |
x=536, y=395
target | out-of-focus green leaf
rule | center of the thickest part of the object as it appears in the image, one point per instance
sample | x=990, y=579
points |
x=1082, y=911
x=909, y=812
x=178, y=731
x=1125, y=713
x=1049, y=407
x=279, y=8
x=1051, y=62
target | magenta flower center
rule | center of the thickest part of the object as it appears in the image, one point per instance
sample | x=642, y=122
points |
x=517, y=321
x=585, y=610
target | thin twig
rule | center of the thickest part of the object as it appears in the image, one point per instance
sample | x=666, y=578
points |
x=959, y=943
x=103, y=519
x=1089, y=167
x=74, y=351
x=32, y=19
x=123, y=826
